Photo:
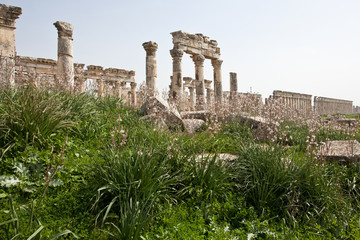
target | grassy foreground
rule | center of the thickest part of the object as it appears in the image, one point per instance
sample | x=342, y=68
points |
x=75, y=166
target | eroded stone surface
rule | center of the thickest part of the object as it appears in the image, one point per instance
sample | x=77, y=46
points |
x=157, y=106
x=192, y=125
x=343, y=150
x=203, y=115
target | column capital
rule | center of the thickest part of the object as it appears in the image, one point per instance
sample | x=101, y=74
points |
x=150, y=48
x=8, y=15
x=216, y=63
x=198, y=59
x=133, y=85
x=176, y=53
x=64, y=29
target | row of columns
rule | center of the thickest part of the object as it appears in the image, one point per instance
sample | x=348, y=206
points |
x=176, y=89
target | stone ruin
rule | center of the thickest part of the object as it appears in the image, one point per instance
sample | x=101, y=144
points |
x=323, y=105
x=295, y=101
x=62, y=73
x=189, y=93
x=200, y=47
x=303, y=103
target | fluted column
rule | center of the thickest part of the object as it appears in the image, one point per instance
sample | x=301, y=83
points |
x=199, y=81
x=133, y=94
x=176, y=91
x=8, y=15
x=151, y=66
x=216, y=63
x=65, y=63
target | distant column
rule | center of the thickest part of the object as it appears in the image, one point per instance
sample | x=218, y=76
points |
x=118, y=89
x=192, y=97
x=151, y=66
x=65, y=63
x=199, y=81
x=233, y=86
x=133, y=94
x=216, y=63
x=8, y=15
x=100, y=85
x=176, y=91
x=79, y=77
x=208, y=92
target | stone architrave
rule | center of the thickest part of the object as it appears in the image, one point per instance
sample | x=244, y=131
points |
x=176, y=91
x=199, y=81
x=216, y=63
x=8, y=15
x=151, y=66
x=65, y=63
x=133, y=94
x=233, y=86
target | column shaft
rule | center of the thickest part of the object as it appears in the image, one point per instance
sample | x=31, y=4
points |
x=65, y=63
x=216, y=63
x=8, y=15
x=151, y=66
x=199, y=81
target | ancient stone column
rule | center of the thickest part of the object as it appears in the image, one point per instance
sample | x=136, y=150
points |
x=216, y=63
x=123, y=90
x=233, y=86
x=151, y=67
x=79, y=77
x=133, y=94
x=208, y=92
x=118, y=89
x=192, y=96
x=8, y=15
x=199, y=81
x=65, y=63
x=100, y=87
x=176, y=91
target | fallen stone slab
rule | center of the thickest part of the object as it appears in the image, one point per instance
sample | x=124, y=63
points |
x=220, y=157
x=160, y=108
x=203, y=115
x=342, y=151
x=192, y=125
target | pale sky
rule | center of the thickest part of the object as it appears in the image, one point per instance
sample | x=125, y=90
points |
x=305, y=46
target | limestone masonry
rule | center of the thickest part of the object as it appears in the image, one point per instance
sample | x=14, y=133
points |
x=188, y=93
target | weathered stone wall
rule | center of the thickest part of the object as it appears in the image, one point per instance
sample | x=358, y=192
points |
x=61, y=74
x=323, y=105
x=295, y=101
x=356, y=109
x=43, y=72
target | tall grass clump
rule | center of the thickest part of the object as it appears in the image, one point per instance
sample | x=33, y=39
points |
x=130, y=184
x=294, y=191
x=31, y=116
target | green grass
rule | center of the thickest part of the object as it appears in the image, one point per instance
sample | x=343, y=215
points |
x=90, y=166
